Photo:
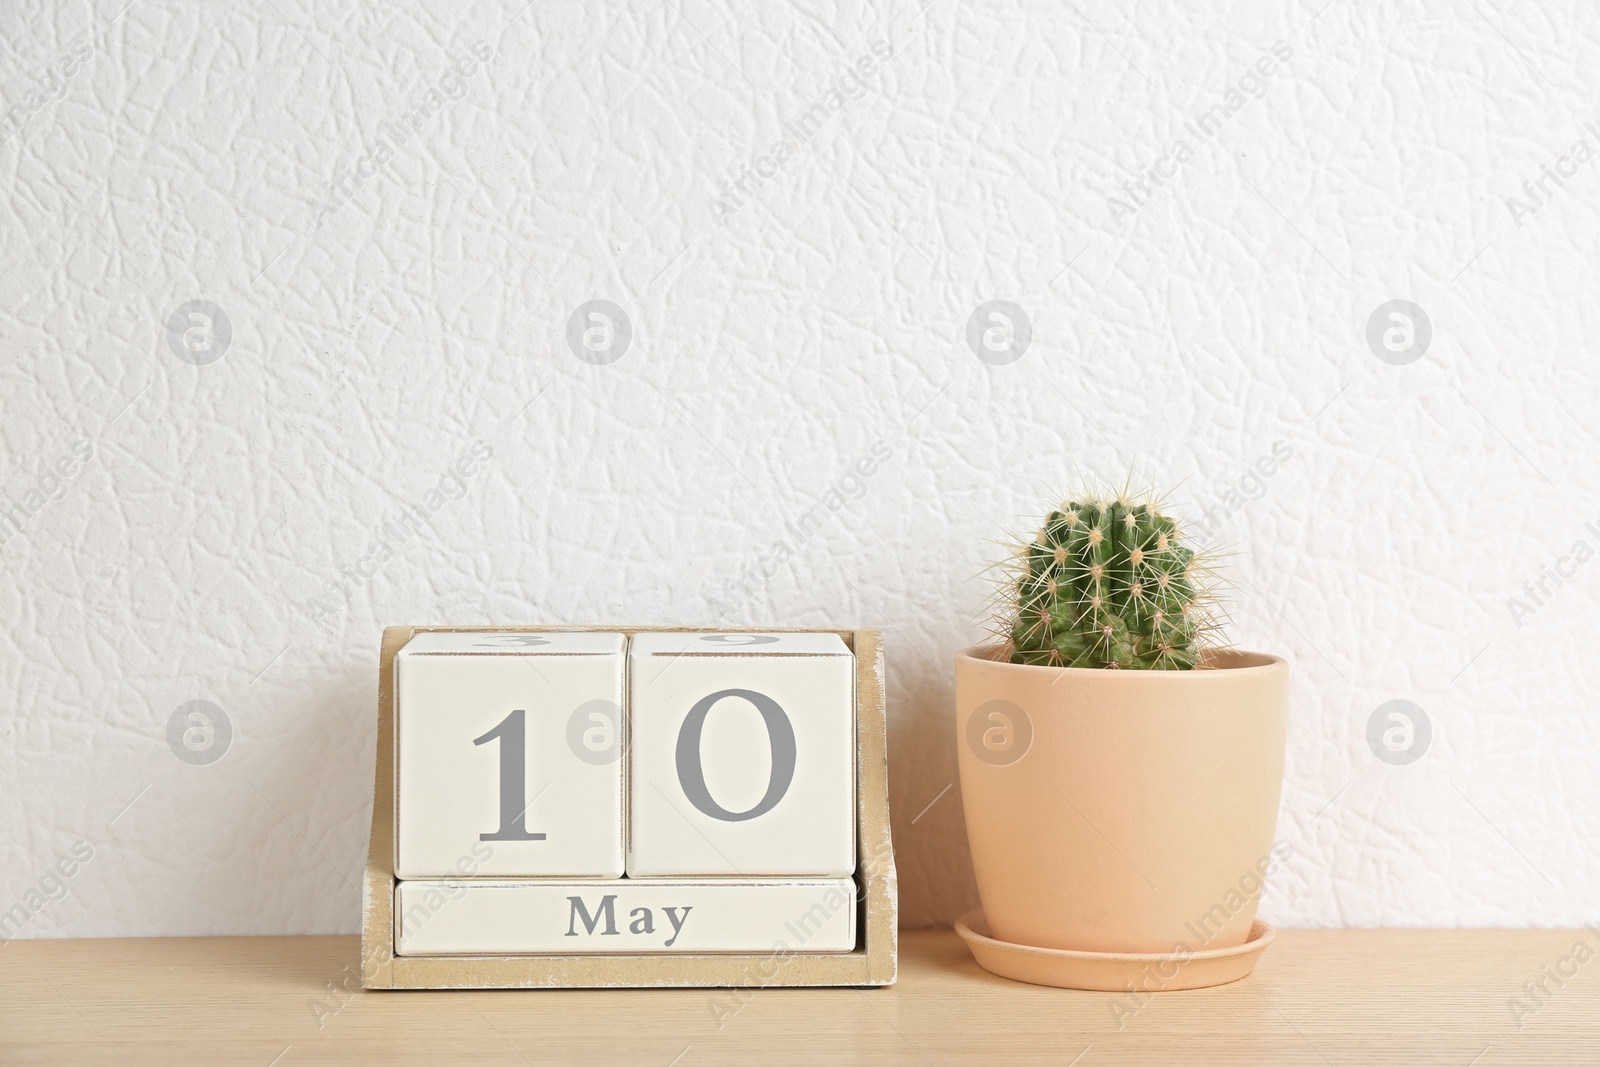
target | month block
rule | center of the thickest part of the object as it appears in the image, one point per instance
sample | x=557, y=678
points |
x=625, y=916
x=509, y=755
x=741, y=754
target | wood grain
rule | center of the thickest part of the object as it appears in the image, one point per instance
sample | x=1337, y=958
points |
x=1319, y=997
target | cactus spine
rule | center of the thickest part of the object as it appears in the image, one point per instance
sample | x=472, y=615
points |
x=1108, y=583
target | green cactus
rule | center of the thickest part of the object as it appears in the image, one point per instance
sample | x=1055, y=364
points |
x=1108, y=583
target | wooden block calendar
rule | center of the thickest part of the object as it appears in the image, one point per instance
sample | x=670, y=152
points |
x=579, y=807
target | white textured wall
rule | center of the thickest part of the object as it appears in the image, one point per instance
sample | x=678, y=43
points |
x=195, y=548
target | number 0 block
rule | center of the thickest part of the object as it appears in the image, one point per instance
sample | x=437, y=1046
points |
x=509, y=755
x=742, y=750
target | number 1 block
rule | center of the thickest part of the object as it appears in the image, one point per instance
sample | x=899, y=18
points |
x=742, y=753
x=508, y=755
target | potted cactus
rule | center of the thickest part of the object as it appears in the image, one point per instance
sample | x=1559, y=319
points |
x=1120, y=767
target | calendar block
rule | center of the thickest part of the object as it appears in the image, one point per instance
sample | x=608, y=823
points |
x=462, y=917
x=775, y=741
x=510, y=755
x=743, y=755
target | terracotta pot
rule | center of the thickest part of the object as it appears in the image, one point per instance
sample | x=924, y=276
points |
x=1118, y=810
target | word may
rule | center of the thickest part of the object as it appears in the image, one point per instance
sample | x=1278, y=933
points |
x=393, y=134
x=1562, y=571
x=393, y=535
x=1251, y=486
x=1538, y=190
x=846, y=489
x=1559, y=973
x=1154, y=977
x=51, y=85
x=642, y=920
x=1202, y=129
x=51, y=888
x=52, y=485
x=738, y=192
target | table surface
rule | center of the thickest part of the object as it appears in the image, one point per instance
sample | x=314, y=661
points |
x=1318, y=997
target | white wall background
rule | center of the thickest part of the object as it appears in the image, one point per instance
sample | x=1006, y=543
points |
x=425, y=310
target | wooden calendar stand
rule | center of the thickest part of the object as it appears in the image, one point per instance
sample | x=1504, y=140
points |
x=870, y=963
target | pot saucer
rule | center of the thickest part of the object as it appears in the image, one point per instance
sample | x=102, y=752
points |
x=1112, y=972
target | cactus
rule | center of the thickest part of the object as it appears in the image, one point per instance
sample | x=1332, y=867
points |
x=1108, y=583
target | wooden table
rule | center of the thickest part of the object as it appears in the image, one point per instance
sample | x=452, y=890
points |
x=1318, y=997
